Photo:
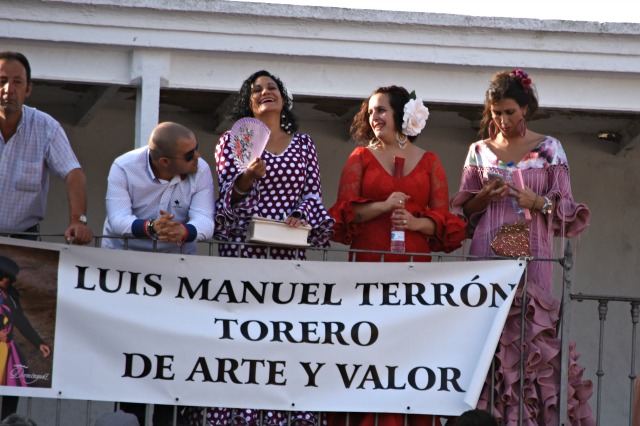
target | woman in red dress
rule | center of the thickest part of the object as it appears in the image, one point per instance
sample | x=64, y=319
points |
x=375, y=194
x=371, y=199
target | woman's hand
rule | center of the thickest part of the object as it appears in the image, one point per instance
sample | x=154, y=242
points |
x=365, y=212
x=493, y=190
x=255, y=169
x=294, y=222
x=396, y=200
x=401, y=218
x=525, y=196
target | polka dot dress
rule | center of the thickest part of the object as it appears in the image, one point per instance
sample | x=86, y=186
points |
x=291, y=184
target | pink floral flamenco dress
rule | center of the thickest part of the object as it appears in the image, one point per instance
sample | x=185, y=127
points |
x=546, y=171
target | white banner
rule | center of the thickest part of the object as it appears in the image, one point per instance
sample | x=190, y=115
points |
x=313, y=336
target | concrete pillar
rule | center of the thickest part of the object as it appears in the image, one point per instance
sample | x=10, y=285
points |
x=149, y=72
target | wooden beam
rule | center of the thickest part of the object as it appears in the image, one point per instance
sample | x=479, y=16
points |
x=94, y=99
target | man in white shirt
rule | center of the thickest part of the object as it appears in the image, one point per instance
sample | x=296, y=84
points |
x=32, y=143
x=162, y=192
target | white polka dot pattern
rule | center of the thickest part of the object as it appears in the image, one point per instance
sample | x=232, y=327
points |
x=292, y=184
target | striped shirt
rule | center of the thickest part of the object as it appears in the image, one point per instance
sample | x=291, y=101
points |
x=135, y=195
x=38, y=146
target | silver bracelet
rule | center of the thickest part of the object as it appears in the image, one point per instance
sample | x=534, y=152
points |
x=547, y=207
x=235, y=188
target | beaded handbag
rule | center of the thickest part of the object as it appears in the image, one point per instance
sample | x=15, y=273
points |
x=512, y=240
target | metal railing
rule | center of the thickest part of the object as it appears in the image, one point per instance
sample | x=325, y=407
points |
x=209, y=248
x=603, y=303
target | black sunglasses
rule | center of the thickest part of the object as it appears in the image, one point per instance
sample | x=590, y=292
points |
x=188, y=156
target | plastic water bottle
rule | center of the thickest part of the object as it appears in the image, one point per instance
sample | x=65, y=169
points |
x=516, y=207
x=397, y=239
x=397, y=235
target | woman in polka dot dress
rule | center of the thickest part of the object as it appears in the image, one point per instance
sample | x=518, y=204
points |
x=284, y=183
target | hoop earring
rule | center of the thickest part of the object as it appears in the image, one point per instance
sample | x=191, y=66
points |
x=523, y=128
x=374, y=143
x=493, y=130
x=285, y=124
x=402, y=140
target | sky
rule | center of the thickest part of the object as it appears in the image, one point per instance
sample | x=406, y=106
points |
x=572, y=10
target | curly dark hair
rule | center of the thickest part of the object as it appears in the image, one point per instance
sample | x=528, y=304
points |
x=507, y=85
x=361, y=130
x=242, y=105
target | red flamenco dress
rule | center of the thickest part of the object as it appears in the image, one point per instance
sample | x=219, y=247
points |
x=365, y=180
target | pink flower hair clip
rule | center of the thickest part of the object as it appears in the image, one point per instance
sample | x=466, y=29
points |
x=525, y=81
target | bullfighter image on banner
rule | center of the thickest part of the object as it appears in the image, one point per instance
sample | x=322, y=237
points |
x=28, y=287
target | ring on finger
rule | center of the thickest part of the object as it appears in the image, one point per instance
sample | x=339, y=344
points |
x=405, y=222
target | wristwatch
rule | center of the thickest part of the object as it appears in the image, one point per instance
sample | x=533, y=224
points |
x=547, y=206
x=82, y=218
x=151, y=231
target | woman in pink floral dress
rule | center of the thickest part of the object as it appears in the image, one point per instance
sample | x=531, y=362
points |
x=487, y=204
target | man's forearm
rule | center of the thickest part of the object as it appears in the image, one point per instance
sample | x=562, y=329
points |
x=77, y=193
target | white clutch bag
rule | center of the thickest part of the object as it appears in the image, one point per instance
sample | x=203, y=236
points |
x=276, y=232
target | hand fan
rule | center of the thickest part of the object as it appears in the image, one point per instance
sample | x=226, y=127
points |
x=249, y=137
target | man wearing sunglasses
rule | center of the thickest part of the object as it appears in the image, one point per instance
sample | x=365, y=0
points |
x=162, y=193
